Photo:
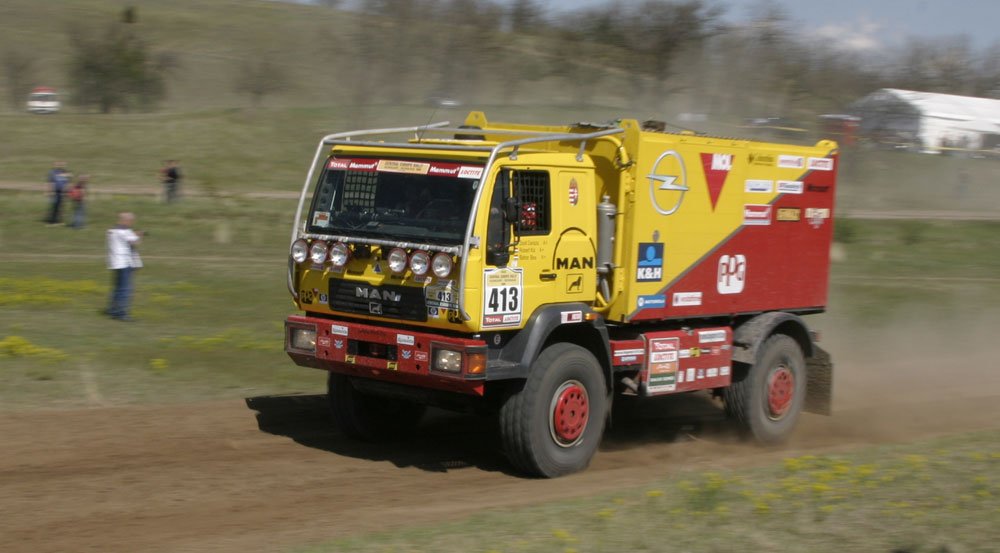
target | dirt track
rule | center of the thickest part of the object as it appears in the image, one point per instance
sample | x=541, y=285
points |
x=268, y=473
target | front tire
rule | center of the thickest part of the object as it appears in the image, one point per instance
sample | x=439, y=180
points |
x=553, y=425
x=768, y=400
x=370, y=418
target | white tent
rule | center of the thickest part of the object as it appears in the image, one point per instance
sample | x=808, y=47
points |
x=931, y=121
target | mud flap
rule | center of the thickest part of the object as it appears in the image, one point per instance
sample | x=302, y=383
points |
x=819, y=382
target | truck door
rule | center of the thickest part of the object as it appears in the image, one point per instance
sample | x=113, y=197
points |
x=549, y=219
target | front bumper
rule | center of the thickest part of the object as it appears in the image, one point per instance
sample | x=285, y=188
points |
x=386, y=354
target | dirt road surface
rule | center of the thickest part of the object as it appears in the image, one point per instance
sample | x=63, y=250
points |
x=268, y=473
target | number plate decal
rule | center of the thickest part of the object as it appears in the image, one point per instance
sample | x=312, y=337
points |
x=502, y=297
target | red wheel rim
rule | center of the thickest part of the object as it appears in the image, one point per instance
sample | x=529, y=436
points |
x=780, y=390
x=570, y=411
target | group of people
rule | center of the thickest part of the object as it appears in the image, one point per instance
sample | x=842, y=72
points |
x=61, y=186
x=122, y=239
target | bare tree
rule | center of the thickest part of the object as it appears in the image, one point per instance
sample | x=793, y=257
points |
x=258, y=77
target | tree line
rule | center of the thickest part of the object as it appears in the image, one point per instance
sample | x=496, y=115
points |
x=639, y=54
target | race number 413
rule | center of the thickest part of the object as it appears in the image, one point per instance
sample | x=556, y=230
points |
x=502, y=297
x=732, y=274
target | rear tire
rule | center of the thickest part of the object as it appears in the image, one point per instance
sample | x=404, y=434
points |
x=370, y=418
x=553, y=425
x=768, y=400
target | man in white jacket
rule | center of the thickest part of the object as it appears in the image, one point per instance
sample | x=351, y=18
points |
x=123, y=260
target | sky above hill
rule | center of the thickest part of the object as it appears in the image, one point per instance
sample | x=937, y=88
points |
x=863, y=24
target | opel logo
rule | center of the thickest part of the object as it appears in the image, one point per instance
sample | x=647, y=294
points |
x=665, y=180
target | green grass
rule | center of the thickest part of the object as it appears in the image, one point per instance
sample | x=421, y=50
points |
x=209, y=305
x=941, y=495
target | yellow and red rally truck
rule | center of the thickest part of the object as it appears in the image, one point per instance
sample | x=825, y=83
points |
x=539, y=272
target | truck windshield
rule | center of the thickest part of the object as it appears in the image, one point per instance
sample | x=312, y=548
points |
x=393, y=199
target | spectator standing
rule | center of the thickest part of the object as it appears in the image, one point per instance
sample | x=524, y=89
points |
x=171, y=175
x=58, y=180
x=123, y=260
x=77, y=194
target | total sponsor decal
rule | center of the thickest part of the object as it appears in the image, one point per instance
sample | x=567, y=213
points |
x=821, y=164
x=788, y=214
x=791, y=162
x=711, y=336
x=651, y=302
x=790, y=187
x=717, y=168
x=340, y=164
x=663, y=365
x=732, y=274
x=687, y=299
x=759, y=186
x=817, y=215
x=756, y=214
x=650, y=265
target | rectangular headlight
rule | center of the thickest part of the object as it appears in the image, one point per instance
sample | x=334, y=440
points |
x=303, y=338
x=446, y=360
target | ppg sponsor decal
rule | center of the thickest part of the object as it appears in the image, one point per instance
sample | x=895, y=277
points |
x=732, y=274
x=650, y=266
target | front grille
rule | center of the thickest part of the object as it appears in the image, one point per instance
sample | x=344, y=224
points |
x=394, y=302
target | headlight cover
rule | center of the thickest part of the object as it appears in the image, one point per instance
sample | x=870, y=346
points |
x=318, y=251
x=340, y=254
x=302, y=338
x=420, y=263
x=446, y=360
x=397, y=260
x=300, y=250
x=442, y=265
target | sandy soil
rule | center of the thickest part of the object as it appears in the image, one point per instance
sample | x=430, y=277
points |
x=269, y=473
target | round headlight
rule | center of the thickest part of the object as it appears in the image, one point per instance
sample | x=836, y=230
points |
x=442, y=265
x=420, y=263
x=318, y=251
x=300, y=250
x=397, y=260
x=339, y=254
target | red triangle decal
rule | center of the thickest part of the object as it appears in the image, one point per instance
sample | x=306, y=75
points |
x=717, y=167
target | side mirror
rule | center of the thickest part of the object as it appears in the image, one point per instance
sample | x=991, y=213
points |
x=512, y=211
